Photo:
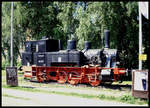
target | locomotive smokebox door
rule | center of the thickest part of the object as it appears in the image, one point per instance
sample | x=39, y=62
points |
x=11, y=76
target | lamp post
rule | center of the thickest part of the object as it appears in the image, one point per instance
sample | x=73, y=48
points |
x=12, y=33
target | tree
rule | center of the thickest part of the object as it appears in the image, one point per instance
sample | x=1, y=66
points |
x=29, y=21
x=87, y=30
x=86, y=21
x=121, y=19
x=68, y=23
x=39, y=19
x=18, y=35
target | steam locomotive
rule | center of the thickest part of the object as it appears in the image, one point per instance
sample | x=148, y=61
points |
x=45, y=59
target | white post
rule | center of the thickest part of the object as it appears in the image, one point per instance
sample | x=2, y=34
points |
x=11, y=34
x=140, y=38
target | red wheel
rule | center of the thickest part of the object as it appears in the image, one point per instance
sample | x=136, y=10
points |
x=94, y=81
x=40, y=78
x=62, y=77
x=73, y=78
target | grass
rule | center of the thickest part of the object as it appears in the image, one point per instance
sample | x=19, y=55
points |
x=124, y=99
x=3, y=72
x=6, y=95
x=124, y=83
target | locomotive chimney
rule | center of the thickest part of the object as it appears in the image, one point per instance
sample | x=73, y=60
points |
x=60, y=45
x=71, y=45
x=106, y=35
x=87, y=45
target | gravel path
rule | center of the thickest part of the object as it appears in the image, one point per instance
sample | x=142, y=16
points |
x=13, y=97
x=82, y=89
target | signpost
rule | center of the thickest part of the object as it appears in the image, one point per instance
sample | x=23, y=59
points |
x=140, y=83
x=142, y=57
x=143, y=10
x=11, y=76
x=11, y=72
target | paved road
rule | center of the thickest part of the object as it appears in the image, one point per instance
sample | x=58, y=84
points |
x=11, y=97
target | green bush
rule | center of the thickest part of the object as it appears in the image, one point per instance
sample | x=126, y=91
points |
x=128, y=98
x=102, y=96
x=18, y=64
x=112, y=98
x=5, y=64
